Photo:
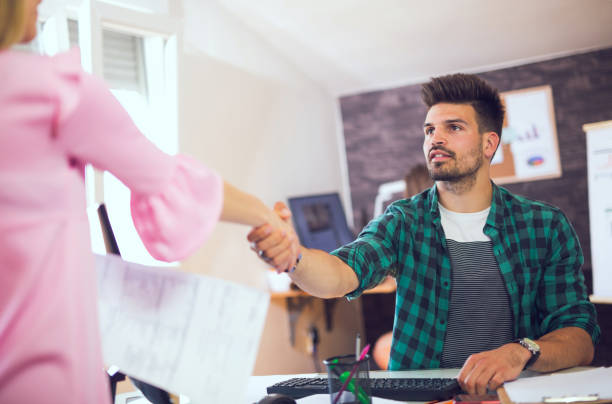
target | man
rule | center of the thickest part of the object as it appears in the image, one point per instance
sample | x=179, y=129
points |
x=486, y=280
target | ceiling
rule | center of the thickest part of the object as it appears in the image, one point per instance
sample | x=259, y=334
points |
x=352, y=46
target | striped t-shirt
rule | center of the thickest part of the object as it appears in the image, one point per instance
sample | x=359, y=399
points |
x=479, y=317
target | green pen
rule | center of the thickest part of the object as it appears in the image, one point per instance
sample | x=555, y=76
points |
x=346, y=379
x=361, y=395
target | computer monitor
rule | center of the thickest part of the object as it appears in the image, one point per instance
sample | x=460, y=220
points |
x=320, y=221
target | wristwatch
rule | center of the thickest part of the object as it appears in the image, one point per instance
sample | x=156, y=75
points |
x=532, y=347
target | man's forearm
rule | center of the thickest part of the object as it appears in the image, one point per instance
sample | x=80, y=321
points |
x=324, y=275
x=564, y=348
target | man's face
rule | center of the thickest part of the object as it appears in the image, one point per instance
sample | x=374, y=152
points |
x=453, y=146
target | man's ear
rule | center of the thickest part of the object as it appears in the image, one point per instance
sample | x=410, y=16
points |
x=491, y=143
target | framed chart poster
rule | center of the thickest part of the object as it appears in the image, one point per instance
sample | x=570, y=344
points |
x=529, y=150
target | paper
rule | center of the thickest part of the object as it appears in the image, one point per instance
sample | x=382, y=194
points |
x=190, y=334
x=567, y=385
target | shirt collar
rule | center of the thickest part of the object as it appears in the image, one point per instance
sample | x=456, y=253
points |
x=432, y=197
x=496, y=214
x=498, y=208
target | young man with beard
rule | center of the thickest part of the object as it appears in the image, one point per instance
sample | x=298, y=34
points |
x=487, y=281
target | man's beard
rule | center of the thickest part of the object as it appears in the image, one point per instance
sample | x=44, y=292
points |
x=459, y=172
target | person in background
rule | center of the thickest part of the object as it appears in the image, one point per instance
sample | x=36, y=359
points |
x=487, y=281
x=54, y=118
x=417, y=180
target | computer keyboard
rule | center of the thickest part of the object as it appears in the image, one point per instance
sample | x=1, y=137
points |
x=401, y=389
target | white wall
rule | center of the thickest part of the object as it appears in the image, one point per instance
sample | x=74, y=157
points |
x=269, y=130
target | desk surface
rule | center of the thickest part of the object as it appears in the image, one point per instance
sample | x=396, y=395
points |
x=257, y=384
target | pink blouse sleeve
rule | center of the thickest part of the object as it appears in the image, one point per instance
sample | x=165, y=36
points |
x=175, y=221
x=175, y=201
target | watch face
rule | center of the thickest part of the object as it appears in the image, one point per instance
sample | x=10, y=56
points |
x=531, y=345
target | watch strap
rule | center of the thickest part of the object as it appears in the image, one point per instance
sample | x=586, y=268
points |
x=534, y=351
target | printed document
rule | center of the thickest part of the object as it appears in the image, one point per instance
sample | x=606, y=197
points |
x=189, y=334
x=579, y=385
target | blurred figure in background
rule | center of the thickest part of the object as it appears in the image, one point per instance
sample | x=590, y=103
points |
x=417, y=180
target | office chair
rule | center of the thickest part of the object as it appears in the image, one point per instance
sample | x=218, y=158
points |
x=154, y=394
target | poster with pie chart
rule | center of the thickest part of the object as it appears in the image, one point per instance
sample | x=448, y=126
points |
x=529, y=150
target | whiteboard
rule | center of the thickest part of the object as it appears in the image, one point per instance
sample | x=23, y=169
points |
x=599, y=164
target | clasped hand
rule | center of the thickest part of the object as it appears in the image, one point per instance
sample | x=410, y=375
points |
x=276, y=242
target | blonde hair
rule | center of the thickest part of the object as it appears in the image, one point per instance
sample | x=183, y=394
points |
x=12, y=22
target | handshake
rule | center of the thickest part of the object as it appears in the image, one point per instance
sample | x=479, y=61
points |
x=276, y=242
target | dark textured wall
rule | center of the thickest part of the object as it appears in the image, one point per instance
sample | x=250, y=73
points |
x=383, y=134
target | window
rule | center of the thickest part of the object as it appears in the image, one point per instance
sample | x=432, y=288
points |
x=123, y=61
x=138, y=62
x=139, y=87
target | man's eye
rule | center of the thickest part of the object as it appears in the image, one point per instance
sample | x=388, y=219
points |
x=455, y=127
x=429, y=130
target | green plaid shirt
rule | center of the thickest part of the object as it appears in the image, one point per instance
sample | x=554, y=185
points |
x=534, y=244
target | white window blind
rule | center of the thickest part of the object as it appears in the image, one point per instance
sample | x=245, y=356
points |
x=123, y=61
x=73, y=32
x=142, y=92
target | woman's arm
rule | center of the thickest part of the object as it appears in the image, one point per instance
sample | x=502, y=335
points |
x=243, y=208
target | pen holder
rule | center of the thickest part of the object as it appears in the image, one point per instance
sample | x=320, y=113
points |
x=348, y=379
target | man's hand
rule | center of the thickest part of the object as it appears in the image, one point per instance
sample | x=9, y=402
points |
x=276, y=243
x=559, y=349
x=490, y=369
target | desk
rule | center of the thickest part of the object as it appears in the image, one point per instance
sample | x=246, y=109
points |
x=257, y=384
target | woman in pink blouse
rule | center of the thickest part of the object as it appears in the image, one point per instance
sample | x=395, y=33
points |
x=54, y=118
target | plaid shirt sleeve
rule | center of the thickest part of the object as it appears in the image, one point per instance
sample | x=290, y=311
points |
x=562, y=297
x=373, y=255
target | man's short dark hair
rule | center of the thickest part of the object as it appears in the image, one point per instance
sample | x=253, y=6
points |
x=467, y=89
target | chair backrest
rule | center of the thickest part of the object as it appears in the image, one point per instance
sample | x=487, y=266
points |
x=154, y=394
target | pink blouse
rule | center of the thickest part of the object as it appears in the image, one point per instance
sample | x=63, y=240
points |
x=54, y=118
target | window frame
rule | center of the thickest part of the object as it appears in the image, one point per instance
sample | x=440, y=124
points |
x=95, y=16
